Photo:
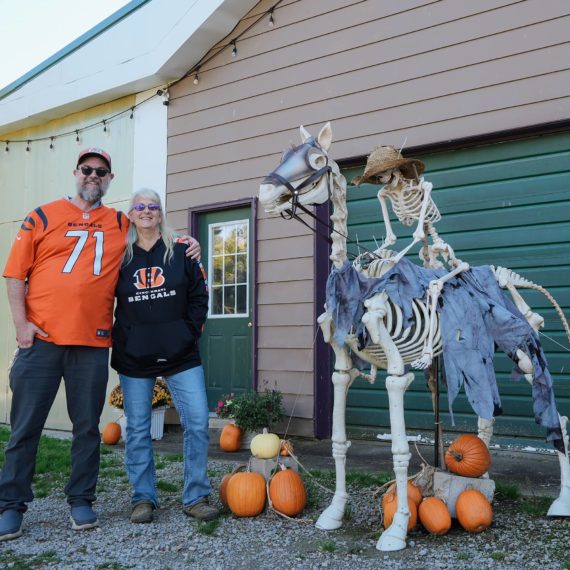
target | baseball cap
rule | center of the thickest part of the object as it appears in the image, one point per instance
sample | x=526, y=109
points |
x=94, y=151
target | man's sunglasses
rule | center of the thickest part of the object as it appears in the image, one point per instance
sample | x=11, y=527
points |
x=100, y=172
x=151, y=207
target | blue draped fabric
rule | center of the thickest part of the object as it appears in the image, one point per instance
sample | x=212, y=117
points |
x=475, y=316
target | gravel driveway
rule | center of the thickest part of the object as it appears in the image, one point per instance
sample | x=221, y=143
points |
x=519, y=538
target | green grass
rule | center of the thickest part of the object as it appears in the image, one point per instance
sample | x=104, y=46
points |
x=364, y=479
x=506, y=491
x=168, y=487
x=327, y=546
x=536, y=506
x=498, y=555
x=173, y=457
x=53, y=463
x=207, y=527
x=9, y=559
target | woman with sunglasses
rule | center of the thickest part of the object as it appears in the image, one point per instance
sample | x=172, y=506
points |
x=162, y=303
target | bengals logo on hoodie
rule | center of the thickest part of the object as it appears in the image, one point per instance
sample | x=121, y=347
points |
x=149, y=278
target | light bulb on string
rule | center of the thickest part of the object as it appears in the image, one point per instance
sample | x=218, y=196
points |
x=234, y=49
x=132, y=113
x=196, y=78
x=77, y=137
x=271, y=22
x=7, y=149
x=28, y=146
x=105, y=127
x=51, y=143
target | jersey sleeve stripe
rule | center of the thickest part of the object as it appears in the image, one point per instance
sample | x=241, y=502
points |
x=42, y=216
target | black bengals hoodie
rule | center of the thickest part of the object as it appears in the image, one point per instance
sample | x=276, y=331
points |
x=160, y=314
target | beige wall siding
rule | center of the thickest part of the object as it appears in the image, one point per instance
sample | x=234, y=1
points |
x=420, y=71
x=29, y=179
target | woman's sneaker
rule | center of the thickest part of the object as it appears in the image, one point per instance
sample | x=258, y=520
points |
x=202, y=511
x=11, y=525
x=142, y=512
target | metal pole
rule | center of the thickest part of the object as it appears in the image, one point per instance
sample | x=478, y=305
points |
x=436, y=413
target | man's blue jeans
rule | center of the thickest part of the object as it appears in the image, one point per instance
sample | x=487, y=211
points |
x=189, y=394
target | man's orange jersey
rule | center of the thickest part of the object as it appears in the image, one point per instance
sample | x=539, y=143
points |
x=71, y=260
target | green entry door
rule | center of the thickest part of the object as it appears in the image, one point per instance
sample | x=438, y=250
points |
x=226, y=344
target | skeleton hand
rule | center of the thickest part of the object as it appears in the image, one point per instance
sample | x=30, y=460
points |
x=424, y=361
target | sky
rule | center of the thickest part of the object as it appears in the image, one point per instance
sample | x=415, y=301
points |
x=31, y=31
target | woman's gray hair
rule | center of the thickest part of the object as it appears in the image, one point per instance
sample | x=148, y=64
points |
x=167, y=234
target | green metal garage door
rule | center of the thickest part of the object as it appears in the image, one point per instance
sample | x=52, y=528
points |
x=503, y=204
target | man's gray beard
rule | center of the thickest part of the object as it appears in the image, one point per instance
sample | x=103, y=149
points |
x=92, y=195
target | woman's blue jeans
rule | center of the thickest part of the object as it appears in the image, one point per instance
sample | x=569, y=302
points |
x=189, y=394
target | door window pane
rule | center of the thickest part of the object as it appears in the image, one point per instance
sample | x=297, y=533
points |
x=228, y=267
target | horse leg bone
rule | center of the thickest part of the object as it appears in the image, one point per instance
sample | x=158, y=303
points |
x=374, y=316
x=331, y=517
x=561, y=506
x=394, y=537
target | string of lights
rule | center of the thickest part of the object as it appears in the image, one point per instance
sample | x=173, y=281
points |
x=162, y=92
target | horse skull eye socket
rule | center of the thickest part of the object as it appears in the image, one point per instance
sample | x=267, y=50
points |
x=317, y=160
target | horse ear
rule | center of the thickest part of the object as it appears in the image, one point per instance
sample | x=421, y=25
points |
x=305, y=134
x=325, y=136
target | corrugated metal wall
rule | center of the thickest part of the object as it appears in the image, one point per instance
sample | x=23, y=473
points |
x=503, y=204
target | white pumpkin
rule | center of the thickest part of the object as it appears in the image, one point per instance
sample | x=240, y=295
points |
x=265, y=445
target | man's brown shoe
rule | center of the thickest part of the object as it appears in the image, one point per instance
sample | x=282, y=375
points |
x=142, y=513
x=202, y=511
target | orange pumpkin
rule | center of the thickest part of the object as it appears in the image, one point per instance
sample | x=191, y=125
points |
x=111, y=433
x=246, y=494
x=230, y=438
x=473, y=511
x=286, y=447
x=287, y=492
x=390, y=506
x=468, y=456
x=224, y=484
x=434, y=515
x=414, y=492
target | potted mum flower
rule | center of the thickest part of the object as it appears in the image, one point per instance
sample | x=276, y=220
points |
x=250, y=412
x=161, y=399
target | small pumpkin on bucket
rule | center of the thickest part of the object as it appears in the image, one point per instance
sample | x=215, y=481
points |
x=111, y=433
x=468, y=456
x=265, y=445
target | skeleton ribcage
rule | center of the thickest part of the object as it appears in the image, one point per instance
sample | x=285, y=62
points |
x=409, y=341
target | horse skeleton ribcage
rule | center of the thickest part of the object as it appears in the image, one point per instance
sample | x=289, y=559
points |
x=409, y=341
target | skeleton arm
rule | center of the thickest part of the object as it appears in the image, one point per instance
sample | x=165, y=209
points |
x=390, y=235
x=434, y=291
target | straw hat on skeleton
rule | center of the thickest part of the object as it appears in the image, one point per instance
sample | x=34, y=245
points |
x=384, y=158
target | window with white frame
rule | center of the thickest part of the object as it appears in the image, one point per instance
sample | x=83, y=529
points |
x=228, y=269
